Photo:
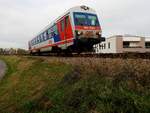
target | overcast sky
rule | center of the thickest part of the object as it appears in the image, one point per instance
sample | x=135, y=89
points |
x=20, y=20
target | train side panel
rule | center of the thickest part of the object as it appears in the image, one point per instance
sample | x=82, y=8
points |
x=65, y=31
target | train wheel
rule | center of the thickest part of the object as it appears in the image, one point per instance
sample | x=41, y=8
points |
x=59, y=52
x=68, y=51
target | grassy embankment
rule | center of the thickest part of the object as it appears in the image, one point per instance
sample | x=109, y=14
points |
x=75, y=85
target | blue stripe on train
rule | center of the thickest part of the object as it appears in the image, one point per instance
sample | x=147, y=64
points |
x=57, y=38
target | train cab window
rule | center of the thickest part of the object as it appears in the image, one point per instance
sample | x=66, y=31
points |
x=93, y=20
x=62, y=25
x=85, y=19
x=80, y=19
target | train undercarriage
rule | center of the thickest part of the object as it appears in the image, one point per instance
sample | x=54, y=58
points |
x=83, y=45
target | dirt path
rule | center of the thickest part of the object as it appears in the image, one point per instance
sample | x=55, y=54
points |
x=2, y=69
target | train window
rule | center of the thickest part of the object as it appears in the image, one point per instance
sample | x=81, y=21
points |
x=80, y=19
x=34, y=42
x=62, y=25
x=38, y=39
x=93, y=20
x=55, y=30
x=50, y=36
x=45, y=36
x=41, y=38
x=49, y=31
x=67, y=21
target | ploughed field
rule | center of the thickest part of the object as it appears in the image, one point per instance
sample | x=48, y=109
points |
x=75, y=85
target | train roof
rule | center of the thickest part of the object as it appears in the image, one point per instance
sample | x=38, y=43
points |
x=73, y=9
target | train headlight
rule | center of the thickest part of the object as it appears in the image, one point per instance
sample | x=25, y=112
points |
x=79, y=32
x=85, y=7
x=98, y=33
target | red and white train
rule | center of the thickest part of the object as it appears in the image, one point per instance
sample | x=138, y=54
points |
x=77, y=30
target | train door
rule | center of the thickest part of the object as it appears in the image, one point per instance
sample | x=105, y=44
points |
x=68, y=28
x=61, y=30
x=65, y=30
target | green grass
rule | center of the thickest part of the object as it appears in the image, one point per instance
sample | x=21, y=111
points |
x=75, y=85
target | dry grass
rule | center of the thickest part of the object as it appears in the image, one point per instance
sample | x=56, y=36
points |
x=75, y=85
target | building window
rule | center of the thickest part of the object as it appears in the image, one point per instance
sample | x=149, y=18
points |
x=126, y=44
x=109, y=45
x=147, y=44
x=104, y=46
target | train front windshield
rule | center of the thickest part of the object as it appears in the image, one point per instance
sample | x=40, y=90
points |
x=85, y=19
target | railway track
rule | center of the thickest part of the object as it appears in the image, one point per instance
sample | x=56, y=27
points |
x=93, y=55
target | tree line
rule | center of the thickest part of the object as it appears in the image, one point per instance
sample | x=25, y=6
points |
x=12, y=51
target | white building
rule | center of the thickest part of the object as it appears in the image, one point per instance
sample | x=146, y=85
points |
x=123, y=44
